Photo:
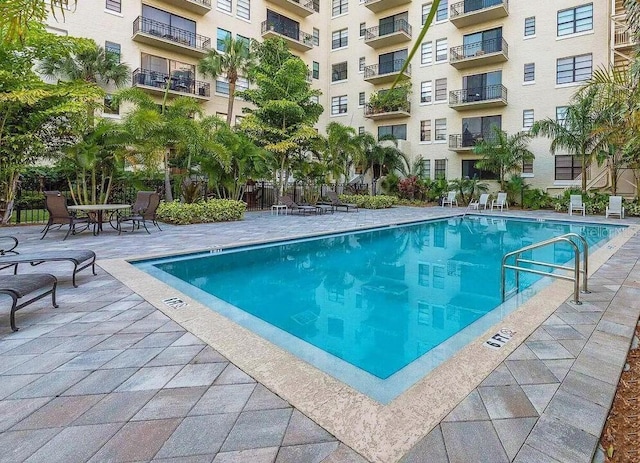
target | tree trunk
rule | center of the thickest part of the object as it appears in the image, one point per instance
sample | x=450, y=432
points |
x=583, y=171
x=168, y=194
x=232, y=92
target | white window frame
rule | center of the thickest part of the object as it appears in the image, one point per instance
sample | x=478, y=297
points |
x=442, y=54
x=426, y=53
x=440, y=130
x=338, y=105
x=426, y=92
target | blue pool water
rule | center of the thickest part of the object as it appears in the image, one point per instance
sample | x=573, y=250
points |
x=378, y=299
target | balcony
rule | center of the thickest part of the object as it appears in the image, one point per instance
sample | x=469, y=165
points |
x=301, y=8
x=470, y=13
x=380, y=5
x=388, y=34
x=491, y=96
x=386, y=72
x=376, y=113
x=464, y=143
x=162, y=35
x=200, y=7
x=490, y=51
x=622, y=37
x=296, y=39
x=156, y=83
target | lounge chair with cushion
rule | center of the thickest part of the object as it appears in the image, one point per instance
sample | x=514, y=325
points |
x=80, y=258
x=576, y=204
x=56, y=205
x=500, y=201
x=615, y=207
x=299, y=208
x=450, y=199
x=335, y=201
x=143, y=210
x=19, y=286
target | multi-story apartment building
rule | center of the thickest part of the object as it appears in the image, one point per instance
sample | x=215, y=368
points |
x=482, y=62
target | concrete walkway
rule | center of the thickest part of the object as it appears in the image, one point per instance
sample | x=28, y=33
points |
x=107, y=377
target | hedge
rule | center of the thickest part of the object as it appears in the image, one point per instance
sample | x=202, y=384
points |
x=213, y=210
x=370, y=202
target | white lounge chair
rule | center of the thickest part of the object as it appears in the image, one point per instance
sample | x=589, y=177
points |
x=576, y=204
x=500, y=201
x=483, y=202
x=450, y=199
x=615, y=207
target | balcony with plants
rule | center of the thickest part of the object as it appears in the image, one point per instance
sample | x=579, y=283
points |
x=389, y=104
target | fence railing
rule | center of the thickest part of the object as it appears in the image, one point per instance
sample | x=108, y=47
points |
x=478, y=49
x=385, y=68
x=288, y=31
x=478, y=94
x=168, y=32
x=399, y=25
x=176, y=83
x=460, y=8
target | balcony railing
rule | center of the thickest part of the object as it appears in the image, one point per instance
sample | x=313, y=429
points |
x=375, y=110
x=467, y=140
x=399, y=25
x=173, y=34
x=288, y=32
x=622, y=36
x=180, y=84
x=386, y=68
x=478, y=49
x=474, y=6
x=478, y=94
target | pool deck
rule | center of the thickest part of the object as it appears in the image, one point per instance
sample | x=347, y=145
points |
x=110, y=376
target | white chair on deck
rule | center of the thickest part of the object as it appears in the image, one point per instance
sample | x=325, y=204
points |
x=450, y=199
x=483, y=202
x=500, y=201
x=576, y=204
x=615, y=207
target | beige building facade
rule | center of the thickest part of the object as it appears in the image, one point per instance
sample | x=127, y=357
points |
x=482, y=62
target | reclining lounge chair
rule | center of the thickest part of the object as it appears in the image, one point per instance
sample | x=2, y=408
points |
x=335, y=201
x=293, y=207
x=18, y=286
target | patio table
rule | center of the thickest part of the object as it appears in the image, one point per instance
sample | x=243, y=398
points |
x=99, y=210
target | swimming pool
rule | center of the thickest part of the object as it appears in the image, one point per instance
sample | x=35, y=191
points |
x=379, y=308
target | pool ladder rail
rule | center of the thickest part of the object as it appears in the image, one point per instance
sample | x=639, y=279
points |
x=575, y=270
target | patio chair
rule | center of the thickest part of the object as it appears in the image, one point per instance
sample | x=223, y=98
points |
x=335, y=201
x=56, y=205
x=482, y=202
x=143, y=210
x=293, y=207
x=615, y=207
x=19, y=286
x=450, y=199
x=500, y=201
x=576, y=204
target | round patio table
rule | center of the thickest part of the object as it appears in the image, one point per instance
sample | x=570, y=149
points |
x=99, y=209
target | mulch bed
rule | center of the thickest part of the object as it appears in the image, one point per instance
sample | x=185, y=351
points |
x=621, y=436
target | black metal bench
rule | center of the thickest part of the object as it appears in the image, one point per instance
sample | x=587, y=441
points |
x=19, y=286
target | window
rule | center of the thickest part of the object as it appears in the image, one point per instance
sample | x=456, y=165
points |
x=363, y=28
x=112, y=49
x=361, y=98
x=443, y=10
x=561, y=114
x=441, y=129
x=222, y=36
x=339, y=104
x=567, y=167
x=469, y=170
x=440, y=168
x=361, y=64
x=399, y=131
x=423, y=275
x=574, y=69
x=339, y=7
x=530, y=72
x=222, y=86
x=527, y=167
x=527, y=118
x=426, y=168
x=530, y=26
x=316, y=37
x=339, y=38
x=109, y=107
x=113, y=5
x=316, y=70
x=224, y=5
x=425, y=91
x=243, y=9
x=426, y=53
x=339, y=72
x=361, y=130
x=441, y=89
x=425, y=12
x=245, y=40
x=441, y=50
x=425, y=130
x=573, y=20
x=242, y=84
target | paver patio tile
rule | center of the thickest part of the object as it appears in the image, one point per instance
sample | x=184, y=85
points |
x=191, y=459
x=121, y=305
x=51, y=384
x=209, y=355
x=344, y=454
x=188, y=339
x=119, y=341
x=171, y=403
x=470, y=409
x=59, y=412
x=593, y=366
x=263, y=399
x=227, y=398
x=146, y=325
x=576, y=318
x=116, y=407
x=72, y=329
x=75, y=443
x=522, y=353
x=561, y=441
x=506, y=402
x=96, y=316
x=133, y=314
x=255, y=429
x=101, y=381
x=108, y=327
x=80, y=343
x=530, y=372
x=91, y=360
x=14, y=411
x=170, y=326
x=463, y=439
x=233, y=375
x=263, y=455
x=11, y=361
x=196, y=375
x=158, y=340
x=136, y=441
x=36, y=346
x=549, y=350
x=553, y=320
x=430, y=448
x=149, y=378
x=540, y=335
x=43, y=363
x=9, y=344
x=30, y=332
x=574, y=346
x=180, y=355
x=133, y=358
x=513, y=432
x=540, y=394
x=501, y=376
x=198, y=435
x=559, y=367
x=309, y=453
x=11, y=384
x=579, y=412
x=589, y=388
x=19, y=445
x=530, y=455
x=303, y=430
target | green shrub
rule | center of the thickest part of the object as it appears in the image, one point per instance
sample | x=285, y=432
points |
x=30, y=201
x=213, y=210
x=537, y=199
x=370, y=202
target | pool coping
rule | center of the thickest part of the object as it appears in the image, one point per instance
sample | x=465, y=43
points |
x=381, y=433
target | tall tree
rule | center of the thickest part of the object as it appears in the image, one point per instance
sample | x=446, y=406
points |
x=383, y=152
x=504, y=154
x=340, y=148
x=19, y=16
x=236, y=60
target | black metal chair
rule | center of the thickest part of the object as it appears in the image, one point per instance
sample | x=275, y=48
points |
x=143, y=210
x=56, y=205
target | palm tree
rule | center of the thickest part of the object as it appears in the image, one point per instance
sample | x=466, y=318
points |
x=503, y=154
x=578, y=133
x=235, y=61
x=383, y=152
x=340, y=149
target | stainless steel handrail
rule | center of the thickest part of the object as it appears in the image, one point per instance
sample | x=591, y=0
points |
x=568, y=238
